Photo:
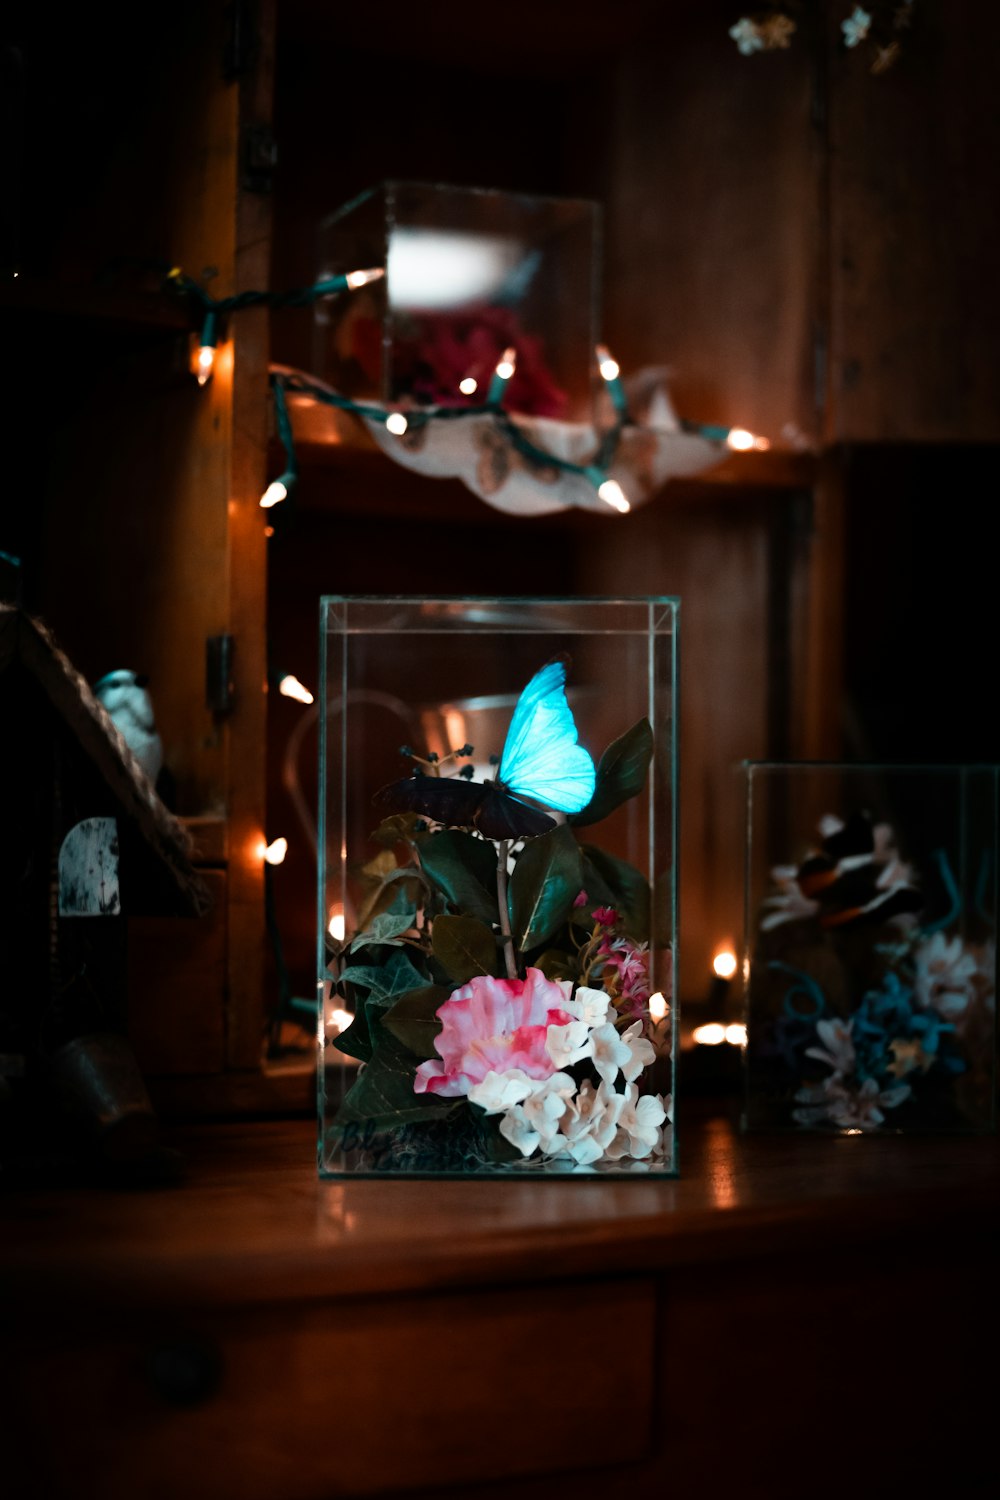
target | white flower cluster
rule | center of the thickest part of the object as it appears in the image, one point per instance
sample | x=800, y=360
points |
x=856, y=27
x=846, y=1103
x=949, y=977
x=765, y=34
x=560, y=1117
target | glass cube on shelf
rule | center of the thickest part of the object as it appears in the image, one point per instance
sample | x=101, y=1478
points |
x=497, y=886
x=469, y=274
x=870, y=959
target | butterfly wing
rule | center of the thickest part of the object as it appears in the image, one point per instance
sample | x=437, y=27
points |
x=501, y=816
x=541, y=756
x=445, y=799
x=458, y=803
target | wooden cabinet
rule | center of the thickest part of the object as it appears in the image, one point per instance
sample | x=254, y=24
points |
x=772, y=237
x=807, y=244
x=254, y=1332
x=135, y=496
x=807, y=248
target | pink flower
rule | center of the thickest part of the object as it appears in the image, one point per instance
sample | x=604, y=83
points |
x=605, y=916
x=492, y=1026
x=625, y=975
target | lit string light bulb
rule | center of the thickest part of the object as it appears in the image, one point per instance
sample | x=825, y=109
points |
x=396, y=423
x=204, y=362
x=724, y=963
x=469, y=386
x=737, y=439
x=280, y=488
x=356, y=279
x=659, y=1012
x=276, y=491
x=274, y=852
x=612, y=494
x=611, y=375
x=290, y=687
x=712, y=1034
x=724, y=966
x=506, y=365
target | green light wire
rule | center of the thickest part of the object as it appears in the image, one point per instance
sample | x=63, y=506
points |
x=595, y=472
x=176, y=280
x=300, y=297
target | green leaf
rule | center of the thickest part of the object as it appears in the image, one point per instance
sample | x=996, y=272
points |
x=384, y=928
x=555, y=964
x=397, y=893
x=627, y=888
x=383, y=981
x=547, y=878
x=464, y=869
x=599, y=892
x=397, y=829
x=356, y=1039
x=413, y=1020
x=383, y=1092
x=621, y=773
x=359, y=1040
x=464, y=947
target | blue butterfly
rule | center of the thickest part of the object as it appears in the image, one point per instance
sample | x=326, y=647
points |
x=541, y=760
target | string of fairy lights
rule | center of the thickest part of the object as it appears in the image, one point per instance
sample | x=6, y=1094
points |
x=212, y=313
x=398, y=421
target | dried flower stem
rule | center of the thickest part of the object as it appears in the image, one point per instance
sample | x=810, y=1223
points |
x=510, y=958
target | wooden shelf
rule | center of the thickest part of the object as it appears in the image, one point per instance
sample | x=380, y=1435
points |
x=124, y=309
x=334, y=444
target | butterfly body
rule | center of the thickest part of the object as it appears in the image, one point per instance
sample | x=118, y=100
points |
x=541, y=761
x=457, y=803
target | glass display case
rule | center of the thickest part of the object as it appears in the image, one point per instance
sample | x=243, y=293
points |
x=870, y=958
x=497, y=886
x=471, y=274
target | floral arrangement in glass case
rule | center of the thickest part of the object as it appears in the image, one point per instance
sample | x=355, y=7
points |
x=498, y=980
x=875, y=1016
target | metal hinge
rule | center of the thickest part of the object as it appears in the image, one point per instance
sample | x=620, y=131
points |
x=259, y=157
x=220, y=688
x=241, y=45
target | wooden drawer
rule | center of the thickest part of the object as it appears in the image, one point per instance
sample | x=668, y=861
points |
x=365, y=1399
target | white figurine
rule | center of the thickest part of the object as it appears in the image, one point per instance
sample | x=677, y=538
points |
x=125, y=697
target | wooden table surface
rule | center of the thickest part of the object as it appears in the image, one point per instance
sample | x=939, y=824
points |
x=249, y=1211
x=772, y=1322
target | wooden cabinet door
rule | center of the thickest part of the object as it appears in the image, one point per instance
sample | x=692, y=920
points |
x=150, y=539
x=914, y=227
